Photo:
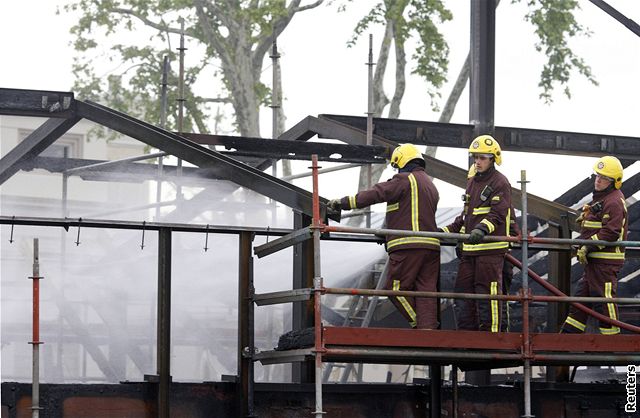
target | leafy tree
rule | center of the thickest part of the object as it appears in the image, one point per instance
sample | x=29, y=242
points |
x=404, y=19
x=231, y=37
x=554, y=22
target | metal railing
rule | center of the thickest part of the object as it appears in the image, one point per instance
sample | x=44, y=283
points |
x=525, y=296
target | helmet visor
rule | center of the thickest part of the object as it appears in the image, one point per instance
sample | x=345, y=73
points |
x=475, y=155
x=595, y=173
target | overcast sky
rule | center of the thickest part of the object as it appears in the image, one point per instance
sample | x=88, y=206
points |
x=322, y=76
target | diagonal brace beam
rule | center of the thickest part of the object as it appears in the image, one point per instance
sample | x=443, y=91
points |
x=34, y=144
x=224, y=167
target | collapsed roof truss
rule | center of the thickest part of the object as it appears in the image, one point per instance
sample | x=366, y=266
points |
x=64, y=111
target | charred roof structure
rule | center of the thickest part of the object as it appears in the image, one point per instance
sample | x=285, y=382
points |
x=242, y=163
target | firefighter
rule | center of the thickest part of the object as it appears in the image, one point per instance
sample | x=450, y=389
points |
x=604, y=218
x=414, y=262
x=507, y=268
x=487, y=211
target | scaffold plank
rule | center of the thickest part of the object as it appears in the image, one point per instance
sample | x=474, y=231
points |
x=391, y=337
x=281, y=243
x=284, y=296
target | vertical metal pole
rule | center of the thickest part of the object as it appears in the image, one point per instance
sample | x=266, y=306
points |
x=163, y=125
x=560, y=277
x=180, y=105
x=454, y=383
x=370, y=64
x=63, y=264
x=302, y=312
x=275, y=102
x=481, y=96
x=164, y=321
x=35, y=383
x=65, y=186
x=526, y=294
x=163, y=92
x=435, y=374
x=246, y=325
x=317, y=288
x=482, y=77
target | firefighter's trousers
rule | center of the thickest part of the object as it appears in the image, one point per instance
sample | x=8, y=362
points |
x=481, y=274
x=599, y=280
x=415, y=269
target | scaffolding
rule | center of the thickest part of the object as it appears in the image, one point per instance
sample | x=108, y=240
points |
x=461, y=348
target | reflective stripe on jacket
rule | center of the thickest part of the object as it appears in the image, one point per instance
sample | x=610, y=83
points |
x=606, y=219
x=412, y=200
x=487, y=207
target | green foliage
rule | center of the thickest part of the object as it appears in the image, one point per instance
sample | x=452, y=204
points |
x=132, y=81
x=417, y=19
x=554, y=21
x=555, y=24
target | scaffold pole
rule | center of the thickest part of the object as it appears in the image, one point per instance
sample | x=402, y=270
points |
x=317, y=288
x=526, y=344
x=35, y=385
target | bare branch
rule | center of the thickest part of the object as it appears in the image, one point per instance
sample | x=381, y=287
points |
x=456, y=91
x=380, y=99
x=213, y=100
x=401, y=63
x=278, y=26
x=196, y=117
x=309, y=6
x=214, y=39
x=145, y=20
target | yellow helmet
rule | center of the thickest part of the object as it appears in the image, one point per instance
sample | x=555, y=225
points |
x=610, y=167
x=405, y=153
x=486, y=144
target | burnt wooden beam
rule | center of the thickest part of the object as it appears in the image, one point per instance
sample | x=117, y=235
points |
x=34, y=144
x=220, y=165
x=48, y=104
x=293, y=150
x=510, y=139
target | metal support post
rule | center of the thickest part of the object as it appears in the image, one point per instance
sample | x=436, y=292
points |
x=163, y=125
x=35, y=383
x=164, y=321
x=435, y=404
x=560, y=277
x=482, y=77
x=302, y=312
x=317, y=287
x=370, y=64
x=246, y=344
x=454, y=395
x=481, y=97
x=526, y=344
x=181, y=101
x=275, y=103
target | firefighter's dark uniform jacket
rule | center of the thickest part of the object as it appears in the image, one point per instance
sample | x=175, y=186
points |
x=411, y=199
x=605, y=218
x=487, y=207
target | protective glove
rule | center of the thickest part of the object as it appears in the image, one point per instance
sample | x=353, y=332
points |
x=581, y=255
x=583, y=214
x=439, y=230
x=476, y=236
x=335, y=205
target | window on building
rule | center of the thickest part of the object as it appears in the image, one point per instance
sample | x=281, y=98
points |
x=69, y=143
